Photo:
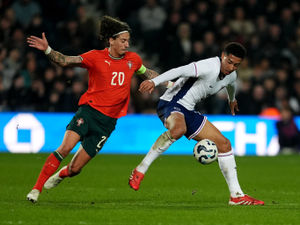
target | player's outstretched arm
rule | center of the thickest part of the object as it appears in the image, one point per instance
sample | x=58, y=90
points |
x=54, y=56
x=150, y=74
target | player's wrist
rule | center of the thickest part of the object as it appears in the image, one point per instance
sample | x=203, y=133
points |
x=48, y=50
x=231, y=100
x=152, y=82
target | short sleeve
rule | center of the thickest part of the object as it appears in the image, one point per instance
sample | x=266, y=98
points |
x=88, y=59
x=206, y=67
x=139, y=62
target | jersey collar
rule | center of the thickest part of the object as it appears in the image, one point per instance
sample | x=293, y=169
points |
x=116, y=58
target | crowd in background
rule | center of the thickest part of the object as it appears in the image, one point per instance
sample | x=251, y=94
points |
x=167, y=34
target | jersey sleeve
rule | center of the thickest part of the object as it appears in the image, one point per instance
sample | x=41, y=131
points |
x=182, y=71
x=205, y=67
x=140, y=69
x=88, y=59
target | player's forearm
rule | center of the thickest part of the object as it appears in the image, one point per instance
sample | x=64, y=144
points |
x=186, y=71
x=149, y=74
x=231, y=89
x=64, y=60
x=167, y=76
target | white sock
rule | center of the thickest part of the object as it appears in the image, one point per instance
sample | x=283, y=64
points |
x=228, y=167
x=162, y=143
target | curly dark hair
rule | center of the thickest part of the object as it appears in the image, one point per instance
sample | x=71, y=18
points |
x=110, y=26
x=235, y=49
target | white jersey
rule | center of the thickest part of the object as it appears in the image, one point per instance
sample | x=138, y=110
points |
x=196, y=81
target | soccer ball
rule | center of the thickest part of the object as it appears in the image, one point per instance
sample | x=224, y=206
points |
x=205, y=151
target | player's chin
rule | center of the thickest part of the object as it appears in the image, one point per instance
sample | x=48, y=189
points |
x=123, y=51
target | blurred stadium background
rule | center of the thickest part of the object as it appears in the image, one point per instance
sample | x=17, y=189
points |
x=37, y=98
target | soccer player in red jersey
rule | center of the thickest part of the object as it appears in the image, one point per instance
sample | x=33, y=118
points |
x=110, y=71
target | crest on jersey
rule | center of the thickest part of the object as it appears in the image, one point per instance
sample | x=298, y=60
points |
x=79, y=122
x=129, y=63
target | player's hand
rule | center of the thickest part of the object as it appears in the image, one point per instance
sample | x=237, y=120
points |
x=147, y=86
x=233, y=107
x=38, y=43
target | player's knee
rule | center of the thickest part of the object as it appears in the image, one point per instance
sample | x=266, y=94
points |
x=64, y=150
x=177, y=133
x=224, y=145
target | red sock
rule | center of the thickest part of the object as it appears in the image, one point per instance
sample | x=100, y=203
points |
x=65, y=172
x=50, y=166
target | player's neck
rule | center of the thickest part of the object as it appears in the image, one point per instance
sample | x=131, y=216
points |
x=114, y=55
x=221, y=75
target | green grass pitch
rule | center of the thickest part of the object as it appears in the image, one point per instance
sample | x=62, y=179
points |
x=176, y=191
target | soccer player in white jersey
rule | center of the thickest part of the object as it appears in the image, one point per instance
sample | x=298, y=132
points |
x=176, y=108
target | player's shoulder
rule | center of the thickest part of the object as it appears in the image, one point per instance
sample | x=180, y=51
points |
x=99, y=52
x=95, y=52
x=132, y=55
x=233, y=75
x=210, y=61
x=208, y=66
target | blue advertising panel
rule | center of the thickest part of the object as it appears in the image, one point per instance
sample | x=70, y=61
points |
x=134, y=134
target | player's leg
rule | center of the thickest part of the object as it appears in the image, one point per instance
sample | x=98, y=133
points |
x=71, y=138
x=100, y=127
x=225, y=156
x=80, y=159
x=209, y=131
x=176, y=126
x=95, y=128
x=227, y=164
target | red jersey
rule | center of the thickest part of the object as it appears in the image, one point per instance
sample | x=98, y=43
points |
x=109, y=81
